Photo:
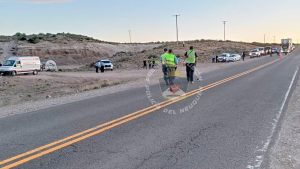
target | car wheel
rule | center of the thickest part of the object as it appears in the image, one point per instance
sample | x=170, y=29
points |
x=25, y=73
x=13, y=73
x=34, y=72
x=111, y=69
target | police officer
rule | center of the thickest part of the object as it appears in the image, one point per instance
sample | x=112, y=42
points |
x=191, y=60
x=164, y=68
x=171, y=61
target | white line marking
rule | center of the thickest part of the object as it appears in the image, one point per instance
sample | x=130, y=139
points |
x=259, y=158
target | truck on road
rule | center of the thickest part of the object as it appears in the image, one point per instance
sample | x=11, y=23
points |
x=286, y=45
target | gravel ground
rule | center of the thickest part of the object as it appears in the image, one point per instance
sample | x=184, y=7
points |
x=46, y=103
x=286, y=151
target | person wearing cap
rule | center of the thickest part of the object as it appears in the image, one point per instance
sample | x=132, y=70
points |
x=190, y=61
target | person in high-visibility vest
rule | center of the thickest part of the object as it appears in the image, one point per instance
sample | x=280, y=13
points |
x=190, y=61
x=171, y=61
x=150, y=63
x=285, y=51
x=164, y=68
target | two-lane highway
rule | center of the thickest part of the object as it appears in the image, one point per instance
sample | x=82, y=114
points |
x=231, y=126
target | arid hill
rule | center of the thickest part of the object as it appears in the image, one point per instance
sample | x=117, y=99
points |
x=70, y=49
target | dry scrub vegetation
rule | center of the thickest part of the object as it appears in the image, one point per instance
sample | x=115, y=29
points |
x=17, y=89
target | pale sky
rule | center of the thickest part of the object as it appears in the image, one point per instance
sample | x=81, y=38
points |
x=151, y=20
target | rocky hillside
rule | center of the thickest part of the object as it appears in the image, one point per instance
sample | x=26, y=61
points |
x=70, y=49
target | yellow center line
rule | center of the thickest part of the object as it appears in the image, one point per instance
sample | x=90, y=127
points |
x=113, y=123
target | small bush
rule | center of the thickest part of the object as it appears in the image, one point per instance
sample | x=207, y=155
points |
x=34, y=39
x=105, y=84
x=152, y=56
x=96, y=87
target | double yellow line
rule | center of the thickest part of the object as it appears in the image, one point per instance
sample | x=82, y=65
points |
x=46, y=149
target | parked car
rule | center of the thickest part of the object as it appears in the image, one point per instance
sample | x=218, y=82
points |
x=268, y=50
x=261, y=50
x=108, y=65
x=274, y=49
x=234, y=57
x=223, y=57
x=254, y=53
x=21, y=65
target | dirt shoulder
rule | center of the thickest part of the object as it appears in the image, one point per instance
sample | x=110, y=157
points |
x=286, y=151
x=49, y=89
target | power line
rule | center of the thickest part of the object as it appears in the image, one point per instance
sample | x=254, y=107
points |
x=224, y=28
x=176, y=27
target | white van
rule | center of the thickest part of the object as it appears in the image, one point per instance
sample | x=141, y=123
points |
x=21, y=65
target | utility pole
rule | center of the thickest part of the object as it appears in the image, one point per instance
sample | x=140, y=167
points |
x=176, y=27
x=264, y=38
x=129, y=35
x=274, y=39
x=224, y=28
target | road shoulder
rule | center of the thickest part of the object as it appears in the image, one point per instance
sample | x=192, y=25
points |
x=286, y=150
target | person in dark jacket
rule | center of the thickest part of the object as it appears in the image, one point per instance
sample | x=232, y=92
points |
x=145, y=64
x=217, y=57
x=243, y=56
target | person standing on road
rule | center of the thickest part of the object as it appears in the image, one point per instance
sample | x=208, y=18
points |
x=145, y=64
x=213, y=58
x=243, y=56
x=217, y=59
x=97, y=65
x=164, y=68
x=191, y=60
x=171, y=61
x=150, y=63
x=153, y=63
x=102, y=67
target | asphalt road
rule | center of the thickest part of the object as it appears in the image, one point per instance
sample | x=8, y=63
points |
x=231, y=125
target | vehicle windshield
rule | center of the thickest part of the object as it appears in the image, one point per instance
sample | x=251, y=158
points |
x=253, y=50
x=267, y=47
x=261, y=48
x=9, y=63
x=232, y=56
x=223, y=55
x=106, y=61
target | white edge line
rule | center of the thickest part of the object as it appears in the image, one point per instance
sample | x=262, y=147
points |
x=259, y=158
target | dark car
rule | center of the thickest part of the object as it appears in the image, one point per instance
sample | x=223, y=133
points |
x=268, y=50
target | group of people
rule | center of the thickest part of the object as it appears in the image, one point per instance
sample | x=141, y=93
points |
x=151, y=63
x=99, y=64
x=170, y=61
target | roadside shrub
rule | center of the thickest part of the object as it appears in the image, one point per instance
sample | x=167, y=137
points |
x=34, y=39
x=152, y=56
